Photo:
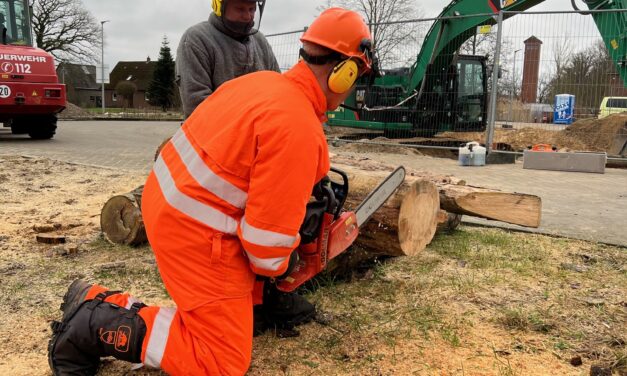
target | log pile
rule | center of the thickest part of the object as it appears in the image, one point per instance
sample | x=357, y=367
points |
x=424, y=204
x=407, y=222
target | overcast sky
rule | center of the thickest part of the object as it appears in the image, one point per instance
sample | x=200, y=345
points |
x=136, y=27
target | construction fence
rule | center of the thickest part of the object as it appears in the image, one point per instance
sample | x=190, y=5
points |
x=516, y=79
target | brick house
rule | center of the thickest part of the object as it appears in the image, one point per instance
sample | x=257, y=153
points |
x=80, y=84
x=139, y=74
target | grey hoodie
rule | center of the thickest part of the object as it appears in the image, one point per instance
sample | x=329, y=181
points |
x=207, y=57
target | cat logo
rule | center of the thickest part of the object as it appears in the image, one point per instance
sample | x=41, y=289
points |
x=35, y=93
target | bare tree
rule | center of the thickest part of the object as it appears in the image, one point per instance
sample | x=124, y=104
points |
x=126, y=90
x=584, y=73
x=66, y=29
x=385, y=19
x=562, y=54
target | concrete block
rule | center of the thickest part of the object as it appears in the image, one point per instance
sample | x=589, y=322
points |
x=558, y=161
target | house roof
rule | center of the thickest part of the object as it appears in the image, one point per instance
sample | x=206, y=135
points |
x=137, y=72
x=78, y=76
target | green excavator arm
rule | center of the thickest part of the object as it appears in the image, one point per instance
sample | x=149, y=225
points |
x=448, y=34
x=406, y=99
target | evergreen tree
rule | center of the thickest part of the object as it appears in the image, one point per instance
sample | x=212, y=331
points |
x=161, y=88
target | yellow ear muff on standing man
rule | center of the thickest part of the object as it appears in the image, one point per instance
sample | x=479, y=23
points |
x=217, y=7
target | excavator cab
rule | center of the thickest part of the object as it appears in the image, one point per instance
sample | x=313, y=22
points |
x=470, y=106
x=15, y=22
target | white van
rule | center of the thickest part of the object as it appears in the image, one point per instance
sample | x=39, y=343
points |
x=612, y=105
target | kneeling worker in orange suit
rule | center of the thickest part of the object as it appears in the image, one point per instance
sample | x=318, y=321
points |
x=223, y=203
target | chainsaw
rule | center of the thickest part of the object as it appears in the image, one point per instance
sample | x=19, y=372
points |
x=328, y=230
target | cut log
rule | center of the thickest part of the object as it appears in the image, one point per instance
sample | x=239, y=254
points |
x=455, y=197
x=418, y=216
x=516, y=208
x=121, y=219
x=50, y=239
x=404, y=225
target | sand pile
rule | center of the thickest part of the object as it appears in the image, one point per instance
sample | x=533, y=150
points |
x=583, y=135
x=72, y=111
x=594, y=134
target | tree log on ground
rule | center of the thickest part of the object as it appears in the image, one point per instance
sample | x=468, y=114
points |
x=404, y=225
x=121, y=219
x=455, y=197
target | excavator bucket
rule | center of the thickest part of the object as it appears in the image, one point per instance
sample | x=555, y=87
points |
x=619, y=146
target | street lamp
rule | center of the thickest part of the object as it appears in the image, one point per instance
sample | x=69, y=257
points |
x=102, y=70
x=511, y=93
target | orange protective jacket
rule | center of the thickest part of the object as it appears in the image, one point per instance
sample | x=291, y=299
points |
x=227, y=195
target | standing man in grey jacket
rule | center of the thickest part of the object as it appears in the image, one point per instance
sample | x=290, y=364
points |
x=222, y=48
x=209, y=54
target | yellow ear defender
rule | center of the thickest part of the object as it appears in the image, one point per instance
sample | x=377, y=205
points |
x=343, y=76
x=217, y=7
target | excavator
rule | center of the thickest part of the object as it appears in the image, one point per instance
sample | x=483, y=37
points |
x=444, y=90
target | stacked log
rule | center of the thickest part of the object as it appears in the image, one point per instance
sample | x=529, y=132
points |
x=407, y=222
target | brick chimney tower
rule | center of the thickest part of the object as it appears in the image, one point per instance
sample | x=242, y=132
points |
x=531, y=70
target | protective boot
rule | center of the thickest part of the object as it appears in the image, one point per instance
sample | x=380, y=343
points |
x=93, y=329
x=285, y=310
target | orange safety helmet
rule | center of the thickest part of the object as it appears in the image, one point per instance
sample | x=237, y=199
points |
x=343, y=31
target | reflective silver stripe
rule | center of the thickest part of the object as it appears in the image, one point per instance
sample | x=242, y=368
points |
x=203, y=174
x=265, y=238
x=159, y=337
x=266, y=264
x=187, y=205
x=131, y=300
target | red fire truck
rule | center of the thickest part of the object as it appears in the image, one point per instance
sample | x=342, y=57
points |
x=30, y=93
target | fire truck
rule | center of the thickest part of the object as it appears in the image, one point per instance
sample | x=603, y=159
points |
x=30, y=93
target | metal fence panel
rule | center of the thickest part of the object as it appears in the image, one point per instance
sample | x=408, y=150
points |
x=443, y=100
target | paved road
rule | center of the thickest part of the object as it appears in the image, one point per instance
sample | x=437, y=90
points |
x=578, y=205
x=128, y=145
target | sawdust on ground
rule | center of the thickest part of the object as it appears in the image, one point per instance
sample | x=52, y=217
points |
x=65, y=199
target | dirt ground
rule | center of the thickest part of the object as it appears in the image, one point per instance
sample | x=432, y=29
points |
x=476, y=302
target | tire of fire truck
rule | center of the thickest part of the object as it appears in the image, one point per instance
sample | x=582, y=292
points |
x=42, y=127
x=18, y=126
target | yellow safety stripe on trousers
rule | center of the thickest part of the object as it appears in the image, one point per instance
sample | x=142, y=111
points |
x=159, y=337
x=195, y=209
x=204, y=176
